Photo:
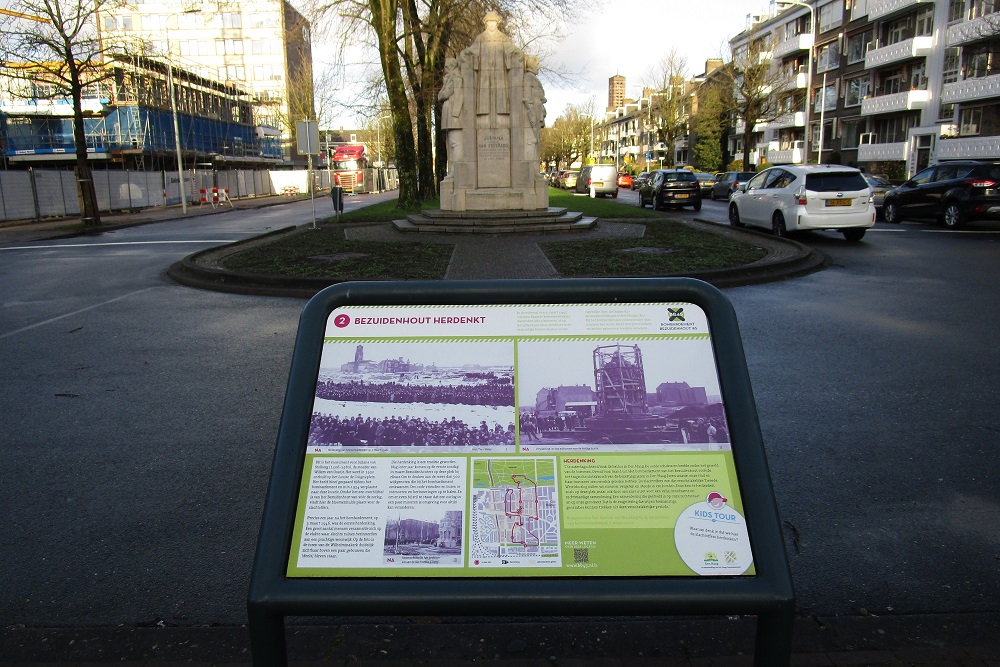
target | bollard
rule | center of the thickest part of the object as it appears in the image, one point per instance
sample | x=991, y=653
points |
x=337, y=194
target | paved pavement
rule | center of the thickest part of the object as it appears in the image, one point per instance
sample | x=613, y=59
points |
x=933, y=639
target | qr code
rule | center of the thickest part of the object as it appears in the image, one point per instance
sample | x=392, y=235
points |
x=581, y=555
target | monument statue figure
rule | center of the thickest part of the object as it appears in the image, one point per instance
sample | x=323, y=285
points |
x=492, y=111
x=534, y=107
x=451, y=110
x=492, y=56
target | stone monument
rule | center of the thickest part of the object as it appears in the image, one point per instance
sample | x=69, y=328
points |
x=493, y=109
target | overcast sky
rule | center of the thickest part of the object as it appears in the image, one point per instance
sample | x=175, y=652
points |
x=627, y=37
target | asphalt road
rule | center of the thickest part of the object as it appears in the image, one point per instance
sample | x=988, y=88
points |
x=140, y=417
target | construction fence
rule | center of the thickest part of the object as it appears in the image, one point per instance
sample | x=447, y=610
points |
x=35, y=194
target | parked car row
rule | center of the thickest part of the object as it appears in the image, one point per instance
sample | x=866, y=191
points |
x=603, y=178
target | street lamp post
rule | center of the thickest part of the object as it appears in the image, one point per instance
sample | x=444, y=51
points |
x=809, y=74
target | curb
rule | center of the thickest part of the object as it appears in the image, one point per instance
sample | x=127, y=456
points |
x=785, y=259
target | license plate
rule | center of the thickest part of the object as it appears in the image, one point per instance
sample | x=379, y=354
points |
x=681, y=195
x=838, y=202
x=599, y=184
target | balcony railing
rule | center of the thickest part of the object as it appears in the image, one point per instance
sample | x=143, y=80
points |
x=969, y=148
x=786, y=156
x=879, y=8
x=979, y=28
x=800, y=42
x=790, y=119
x=904, y=101
x=915, y=47
x=971, y=89
x=880, y=152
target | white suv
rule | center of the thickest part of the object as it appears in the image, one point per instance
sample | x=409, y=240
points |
x=792, y=197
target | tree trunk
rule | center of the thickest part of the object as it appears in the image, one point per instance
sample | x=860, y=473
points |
x=384, y=17
x=90, y=216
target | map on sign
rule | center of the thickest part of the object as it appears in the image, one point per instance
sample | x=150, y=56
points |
x=515, y=513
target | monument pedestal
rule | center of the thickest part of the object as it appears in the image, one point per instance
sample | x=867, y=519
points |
x=511, y=221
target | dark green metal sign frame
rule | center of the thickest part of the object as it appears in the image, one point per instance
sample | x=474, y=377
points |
x=768, y=593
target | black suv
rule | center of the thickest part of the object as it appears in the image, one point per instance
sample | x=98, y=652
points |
x=953, y=192
x=671, y=187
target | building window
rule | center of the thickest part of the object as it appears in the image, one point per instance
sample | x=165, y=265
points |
x=825, y=100
x=892, y=82
x=232, y=20
x=946, y=112
x=982, y=8
x=970, y=120
x=924, y=24
x=918, y=76
x=830, y=15
x=857, y=90
x=893, y=129
x=952, y=64
x=981, y=60
x=897, y=31
x=857, y=46
x=828, y=57
x=956, y=11
x=850, y=132
x=228, y=47
x=232, y=73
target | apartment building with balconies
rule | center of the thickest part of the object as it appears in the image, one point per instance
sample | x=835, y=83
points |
x=895, y=84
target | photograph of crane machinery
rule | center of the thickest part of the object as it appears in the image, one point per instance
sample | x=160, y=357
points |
x=649, y=395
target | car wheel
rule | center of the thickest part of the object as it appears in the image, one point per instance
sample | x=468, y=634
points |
x=778, y=225
x=734, y=216
x=890, y=212
x=729, y=195
x=953, y=216
x=615, y=195
x=711, y=195
x=697, y=206
x=855, y=234
x=642, y=202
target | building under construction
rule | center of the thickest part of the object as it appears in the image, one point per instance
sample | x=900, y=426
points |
x=130, y=116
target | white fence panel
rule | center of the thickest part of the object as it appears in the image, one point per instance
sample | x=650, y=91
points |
x=18, y=201
x=153, y=186
x=51, y=202
x=118, y=189
x=241, y=183
x=290, y=182
x=71, y=198
x=103, y=188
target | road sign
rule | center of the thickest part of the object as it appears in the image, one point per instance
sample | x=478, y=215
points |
x=307, y=137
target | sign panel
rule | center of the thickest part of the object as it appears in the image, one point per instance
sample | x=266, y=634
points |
x=506, y=440
x=307, y=137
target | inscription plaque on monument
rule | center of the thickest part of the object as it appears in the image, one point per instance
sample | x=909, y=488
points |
x=493, y=151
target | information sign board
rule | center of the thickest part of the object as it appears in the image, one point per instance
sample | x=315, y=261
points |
x=584, y=445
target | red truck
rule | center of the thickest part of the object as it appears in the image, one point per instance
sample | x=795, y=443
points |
x=348, y=165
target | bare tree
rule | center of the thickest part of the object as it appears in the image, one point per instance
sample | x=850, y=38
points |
x=756, y=87
x=668, y=109
x=58, y=44
x=571, y=136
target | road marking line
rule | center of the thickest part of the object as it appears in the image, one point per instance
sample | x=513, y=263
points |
x=961, y=231
x=101, y=245
x=75, y=312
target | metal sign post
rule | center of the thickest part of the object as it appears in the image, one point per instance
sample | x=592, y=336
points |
x=307, y=136
x=571, y=447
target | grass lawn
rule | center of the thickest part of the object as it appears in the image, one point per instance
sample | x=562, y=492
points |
x=668, y=247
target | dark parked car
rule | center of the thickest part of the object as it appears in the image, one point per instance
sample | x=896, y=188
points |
x=953, y=192
x=671, y=187
x=728, y=183
x=879, y=186
x=706, y=181
x=639, y=180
